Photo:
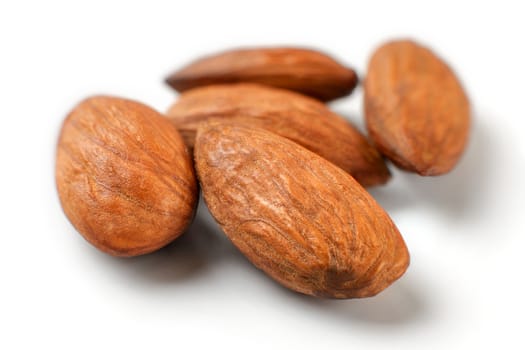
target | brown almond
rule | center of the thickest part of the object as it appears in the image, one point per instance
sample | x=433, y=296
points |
x=299, y=218
x=416, y=111
x=124, y=176
x=297, y=117
x=306, y=71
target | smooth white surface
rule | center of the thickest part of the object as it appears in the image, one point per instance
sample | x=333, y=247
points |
x=464, y=288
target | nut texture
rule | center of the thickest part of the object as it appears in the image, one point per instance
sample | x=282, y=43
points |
x=299, y=218
x=294, y=116
x=416, y=111
x=306, y=71
x=124, y=176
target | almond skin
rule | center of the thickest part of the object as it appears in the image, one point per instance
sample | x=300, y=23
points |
x=299, y=218
x=297, y=117
x=124, y=176
x=306, y=71
x=416, y=111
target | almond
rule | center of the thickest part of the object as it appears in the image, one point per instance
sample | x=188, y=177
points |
x=306, y=71
x=124, y=176
x=297, y=117
x=416, y=111
x=299, y=218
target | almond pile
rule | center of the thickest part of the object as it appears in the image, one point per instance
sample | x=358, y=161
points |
x=282, y=174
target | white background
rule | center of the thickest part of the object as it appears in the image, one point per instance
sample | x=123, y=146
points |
x=465, y=231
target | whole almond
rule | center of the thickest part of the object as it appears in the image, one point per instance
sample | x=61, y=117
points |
x=296, y=216
x=416, y=111
x=124, y=176
x=306, y=71
x=297, y=117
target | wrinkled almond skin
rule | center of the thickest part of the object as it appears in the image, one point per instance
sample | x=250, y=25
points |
x=417, y=112
x=297, y=117
x=124, y=176
x=306, y=71
x=296, y=216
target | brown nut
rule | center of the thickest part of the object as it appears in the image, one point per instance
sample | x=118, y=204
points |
x=294, y=116
x=124, y=176
x=299, y=218
x=306, y=71
x=416, y=111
